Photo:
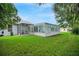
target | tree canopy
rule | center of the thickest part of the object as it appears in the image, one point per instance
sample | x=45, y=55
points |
x=67, y=14
x=8, y=14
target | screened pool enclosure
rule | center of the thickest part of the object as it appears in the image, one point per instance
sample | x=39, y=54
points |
x=46, y=29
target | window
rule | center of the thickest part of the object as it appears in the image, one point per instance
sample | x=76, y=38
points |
x=10, y=28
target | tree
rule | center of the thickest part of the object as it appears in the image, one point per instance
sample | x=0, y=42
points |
x=8, y=15
x=67, y=14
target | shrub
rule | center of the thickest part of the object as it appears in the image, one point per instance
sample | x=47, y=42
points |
x=75, y=30
x=11, y=33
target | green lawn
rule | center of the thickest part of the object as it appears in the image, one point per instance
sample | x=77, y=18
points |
x=30, y=45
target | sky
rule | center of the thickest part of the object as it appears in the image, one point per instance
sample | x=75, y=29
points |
x=36, y=14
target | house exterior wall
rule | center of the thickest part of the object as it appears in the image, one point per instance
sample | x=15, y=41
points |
x=14, y=29
x=5, y=32
x=18, y=29
x=63, y=29
x=44, y=29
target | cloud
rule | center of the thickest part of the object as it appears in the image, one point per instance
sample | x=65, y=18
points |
x=36, y=19
x=37, y=14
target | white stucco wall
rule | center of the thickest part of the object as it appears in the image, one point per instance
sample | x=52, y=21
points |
x=5, y=32
x=14, y=29
x=46, y=34
x=63, y=29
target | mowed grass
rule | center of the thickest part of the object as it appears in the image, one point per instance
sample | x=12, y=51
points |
x=64, y=44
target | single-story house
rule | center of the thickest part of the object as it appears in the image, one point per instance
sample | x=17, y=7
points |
x=25, y=27
x=67, y=29
x=46, y=29
x=22, y=27
x=64, y=29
